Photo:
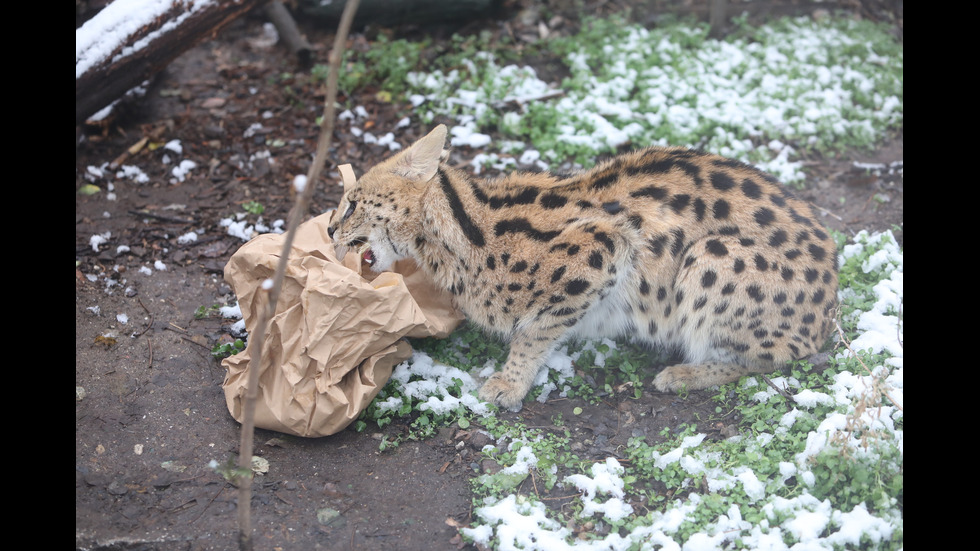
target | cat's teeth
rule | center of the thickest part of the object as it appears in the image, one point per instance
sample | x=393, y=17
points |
x=365, y=252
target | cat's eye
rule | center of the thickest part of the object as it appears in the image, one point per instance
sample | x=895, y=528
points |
x=350, y=209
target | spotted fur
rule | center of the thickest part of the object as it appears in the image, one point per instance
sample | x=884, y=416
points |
x=682, y=249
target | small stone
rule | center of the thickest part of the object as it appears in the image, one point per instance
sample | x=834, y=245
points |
x=327, y=515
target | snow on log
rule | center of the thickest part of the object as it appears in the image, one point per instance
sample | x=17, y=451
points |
x=131, y=40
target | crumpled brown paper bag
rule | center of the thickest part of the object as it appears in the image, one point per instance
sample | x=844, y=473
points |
x=336, y=335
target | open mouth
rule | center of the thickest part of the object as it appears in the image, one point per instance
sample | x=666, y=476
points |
x=366, y=254
x=363, y=248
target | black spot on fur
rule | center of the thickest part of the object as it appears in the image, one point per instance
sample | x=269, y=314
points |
x=656, y=245
x=721, y=181
x=522, y=225
x=644, y=287
x=665, y=165
x=678, y=245
x=751, y=189
x=764, y=216
x=603, y=237
x=595, y=260
x=777, y=238
x=612, y=207
x=525, y=197
x=721, y=209
x=557, y=274
x=816, y=252
x=708, y=278
x=605, y=181
x=576, y=286
x=652, y=192
x=679, y=202
x=553, y=201
x=716, y=247
x=699, y=209
x=818, y=296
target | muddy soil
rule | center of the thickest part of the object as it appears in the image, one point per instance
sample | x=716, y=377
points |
x=150, y=413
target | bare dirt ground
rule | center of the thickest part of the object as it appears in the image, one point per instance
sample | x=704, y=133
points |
x=150, y=413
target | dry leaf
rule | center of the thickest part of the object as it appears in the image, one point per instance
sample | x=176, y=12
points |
x=105, y=341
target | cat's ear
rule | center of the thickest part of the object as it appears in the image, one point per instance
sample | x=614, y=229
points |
x=421, y=160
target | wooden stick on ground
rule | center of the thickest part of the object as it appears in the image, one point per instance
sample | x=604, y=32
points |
x=265, y=315
x=289, y=32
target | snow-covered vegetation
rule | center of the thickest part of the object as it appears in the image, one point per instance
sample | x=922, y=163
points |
x=822, y=472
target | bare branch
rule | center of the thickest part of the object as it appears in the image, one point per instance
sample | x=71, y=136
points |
x=295, y=218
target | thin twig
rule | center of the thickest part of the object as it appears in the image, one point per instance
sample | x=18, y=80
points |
x=524, y=100
x=840, y=332
x=148, y=325
x=778, y=390
x=265, y=314
x=208, y=504
x=190, y=340
x=162, y=217
x=825, y=211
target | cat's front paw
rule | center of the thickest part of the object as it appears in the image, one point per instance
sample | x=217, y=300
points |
x=675, y=378
x=506, y=394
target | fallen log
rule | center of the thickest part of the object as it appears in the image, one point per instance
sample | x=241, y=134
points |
x=131, y=40
x=387, y=13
